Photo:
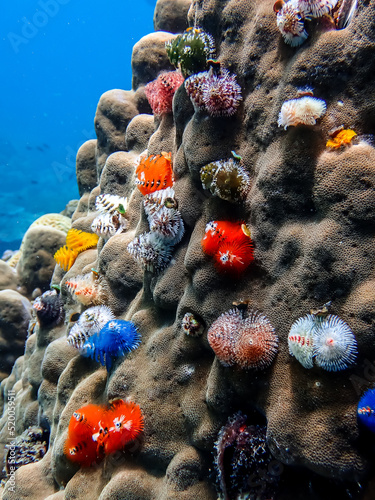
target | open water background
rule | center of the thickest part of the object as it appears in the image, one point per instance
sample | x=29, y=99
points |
x=57, y=57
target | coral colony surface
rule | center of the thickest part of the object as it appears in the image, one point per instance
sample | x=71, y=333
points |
x=203, y=325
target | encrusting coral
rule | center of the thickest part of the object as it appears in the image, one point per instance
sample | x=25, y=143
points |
x=95, y=431
x=205, y=357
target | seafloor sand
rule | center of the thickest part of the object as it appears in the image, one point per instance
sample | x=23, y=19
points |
x=311, y=212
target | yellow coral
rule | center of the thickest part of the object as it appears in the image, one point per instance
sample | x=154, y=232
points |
x=65, y=257
x=342, y=138
x=80, y=241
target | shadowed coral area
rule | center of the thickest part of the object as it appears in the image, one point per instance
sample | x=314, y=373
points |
x=222, y=381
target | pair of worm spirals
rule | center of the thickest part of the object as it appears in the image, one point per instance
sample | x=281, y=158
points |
x=251, y=342
x=327, y=342
x=154, y=248
x=248, y=343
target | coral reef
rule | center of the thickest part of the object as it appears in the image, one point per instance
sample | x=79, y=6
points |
x=8, y=278
x=307, y=217
x=171, y=15
x=41, y=241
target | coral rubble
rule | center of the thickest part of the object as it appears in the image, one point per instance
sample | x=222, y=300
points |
x=285, y=226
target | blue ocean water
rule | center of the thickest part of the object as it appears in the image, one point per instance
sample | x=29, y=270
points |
x=58, y=57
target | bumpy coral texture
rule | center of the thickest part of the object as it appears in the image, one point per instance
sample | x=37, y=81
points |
x=311, y=214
